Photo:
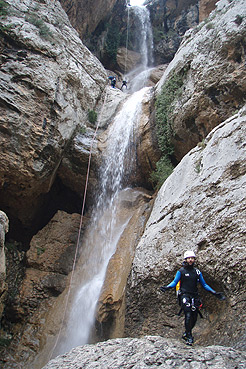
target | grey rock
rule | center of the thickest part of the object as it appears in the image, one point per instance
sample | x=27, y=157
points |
x=148, y=352
x=201, y=206
x=48, y=82
x=211, y=63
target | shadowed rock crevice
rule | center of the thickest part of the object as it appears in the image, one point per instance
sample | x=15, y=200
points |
x=59, y=197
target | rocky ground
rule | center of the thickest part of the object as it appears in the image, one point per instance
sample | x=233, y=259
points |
x=148, y=352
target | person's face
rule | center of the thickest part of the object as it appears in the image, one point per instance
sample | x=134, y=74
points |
x=190, y=261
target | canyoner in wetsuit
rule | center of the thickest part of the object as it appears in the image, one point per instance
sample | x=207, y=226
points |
x=189, y=300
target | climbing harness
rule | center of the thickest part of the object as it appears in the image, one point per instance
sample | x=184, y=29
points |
x=191, y=303
x=80, y=227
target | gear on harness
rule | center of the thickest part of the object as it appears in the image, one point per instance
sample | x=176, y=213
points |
x=194, y=304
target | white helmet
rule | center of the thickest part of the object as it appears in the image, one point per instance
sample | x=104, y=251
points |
x=189, y=254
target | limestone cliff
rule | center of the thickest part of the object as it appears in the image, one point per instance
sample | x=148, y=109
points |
x=49, y=82
x=170, y=20
x=201, y=206
x=210, y=64
x=86, y=15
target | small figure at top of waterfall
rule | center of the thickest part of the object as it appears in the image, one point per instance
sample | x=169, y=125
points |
x=113, y=81
x=124, y=84
x=187, y=278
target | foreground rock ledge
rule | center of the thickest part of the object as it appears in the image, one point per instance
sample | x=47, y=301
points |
x=148, y=352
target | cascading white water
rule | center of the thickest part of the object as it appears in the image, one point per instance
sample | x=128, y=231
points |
x=104, y=231
x=106, y=227
x=138, y=77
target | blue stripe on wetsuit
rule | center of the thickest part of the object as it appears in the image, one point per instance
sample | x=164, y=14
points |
x=200, y=277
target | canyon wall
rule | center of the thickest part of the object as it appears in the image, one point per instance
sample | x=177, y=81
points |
x=210, y=67
x=201, y=206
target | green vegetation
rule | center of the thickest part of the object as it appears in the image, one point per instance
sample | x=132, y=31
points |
x=163, y=170
x=82, y=130
x=238, y=19
x=112, y=42
x=158, y=34
x=202, y=144
x=39, y=23
x=198, y=165
x=92, y=116
x=40, y=250
x=171, y=90
x=4, y=342
x=12, y=245
x=3, y=8
x=3, y=13
x=209, y=26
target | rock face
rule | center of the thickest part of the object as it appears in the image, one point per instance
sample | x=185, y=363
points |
x=43, y=294
x=201, y=206
x=85, y=16
x=111, y=304
x=211, y=62
x=127, y=59
x=49, y=81
x=170, y=20
x=205, y=8
x=49, y=262
x=4, y=227
x=148, y=352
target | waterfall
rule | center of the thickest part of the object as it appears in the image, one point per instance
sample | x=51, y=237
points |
x=138, y=77
x=106, y=227
x=107, y=223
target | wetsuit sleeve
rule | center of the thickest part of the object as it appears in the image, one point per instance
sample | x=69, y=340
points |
x=204, y=284
x=176, y=280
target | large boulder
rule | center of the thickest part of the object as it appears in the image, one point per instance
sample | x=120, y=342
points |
x=210, y=63
x=148, y=352
x=49, y=80
x=201, y=206
x=127, y=60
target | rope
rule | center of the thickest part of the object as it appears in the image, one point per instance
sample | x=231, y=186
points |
x=80, y=226
x=127, y=36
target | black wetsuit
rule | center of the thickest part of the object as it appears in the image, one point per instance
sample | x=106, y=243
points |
x=189, y=277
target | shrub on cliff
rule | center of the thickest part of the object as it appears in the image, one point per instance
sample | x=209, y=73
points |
x=3, y=8
x=171, y=90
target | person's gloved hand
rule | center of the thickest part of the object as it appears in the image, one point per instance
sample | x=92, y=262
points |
x=219, y=295
x=164, y=288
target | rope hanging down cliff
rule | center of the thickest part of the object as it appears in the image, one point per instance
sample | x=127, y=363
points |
x=80, y=227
